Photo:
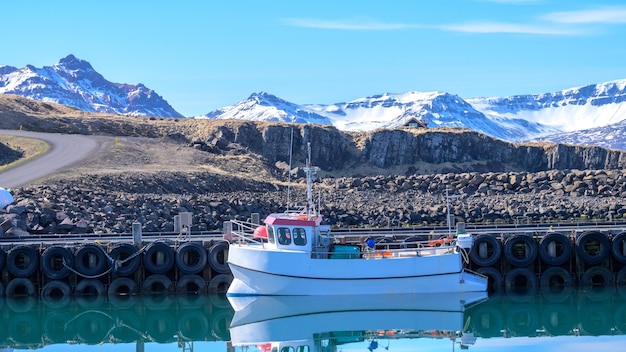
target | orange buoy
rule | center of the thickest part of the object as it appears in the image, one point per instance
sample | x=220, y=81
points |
x=440, y=242
x=260, y=232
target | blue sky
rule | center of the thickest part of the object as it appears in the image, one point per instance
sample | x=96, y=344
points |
x=203, y=55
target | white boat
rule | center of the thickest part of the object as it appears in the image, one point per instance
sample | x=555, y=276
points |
x=312, y=323
x=293, y=253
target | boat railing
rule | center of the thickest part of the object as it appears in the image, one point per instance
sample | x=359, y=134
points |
x=412, y=245
x=297, y=210
x=408, y=249
x=242, y=232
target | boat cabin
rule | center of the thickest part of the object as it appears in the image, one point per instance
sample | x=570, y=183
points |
x=296, y=232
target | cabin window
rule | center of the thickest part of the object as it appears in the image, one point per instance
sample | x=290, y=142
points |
x=284, y=236
x=287, y=349
x=299, y=236
x=302, y=349
x=270, y=234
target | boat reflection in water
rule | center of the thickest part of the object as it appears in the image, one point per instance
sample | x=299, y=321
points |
x=552, y=321
x=545, y=322
x=314, y=323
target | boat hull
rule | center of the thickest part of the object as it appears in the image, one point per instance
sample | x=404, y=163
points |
x=262, y=272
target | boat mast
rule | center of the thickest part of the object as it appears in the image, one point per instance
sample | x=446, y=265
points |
x=289, y=173
x=310, y=172
x=448, y=197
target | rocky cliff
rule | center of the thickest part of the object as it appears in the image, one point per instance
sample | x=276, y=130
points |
x=403, y=150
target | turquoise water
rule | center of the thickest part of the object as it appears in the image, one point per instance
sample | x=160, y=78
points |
x=570, y=320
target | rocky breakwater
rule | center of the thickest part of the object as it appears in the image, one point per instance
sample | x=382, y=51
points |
x=110, y=204
x=544, y=196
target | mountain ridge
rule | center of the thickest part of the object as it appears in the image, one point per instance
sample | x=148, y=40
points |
x=74, y=82
x=579, y=115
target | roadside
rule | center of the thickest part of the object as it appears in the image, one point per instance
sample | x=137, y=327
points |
x=61, y=152
x=29, y=148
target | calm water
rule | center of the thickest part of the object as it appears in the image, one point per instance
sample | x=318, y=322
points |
x=565, y=321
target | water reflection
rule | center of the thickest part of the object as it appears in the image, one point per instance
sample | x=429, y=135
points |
x=569, y=312
x=29, y=323
x=321, y=324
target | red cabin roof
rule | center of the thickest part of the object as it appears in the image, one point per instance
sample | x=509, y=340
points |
x=293, y=220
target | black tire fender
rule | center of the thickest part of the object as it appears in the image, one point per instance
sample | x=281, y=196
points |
x=125, y=259
x=191, y=258
x=56, y=294
x=191, y=284
x=157, y=284
x=597, y=276
x=618, y=247
x=20, y=287
x=495, y=279
x=561, y=242
x=152, y=260
x=91, y=260
x=22, y=261
x=555, y=276
x=528, y=276
x=122, y=286
x=218, y=257
x=219, y=284
x=593, y=258
x=89, y=287
x=530, y=252
x=3, y=258
x=56, y=262
x=494, y=248
x=56, y=288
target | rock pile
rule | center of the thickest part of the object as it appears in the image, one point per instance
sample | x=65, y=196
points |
x=111, y=203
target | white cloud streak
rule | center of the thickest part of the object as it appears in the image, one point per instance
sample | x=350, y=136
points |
x=511, y=28
x=608, y=15
x=558, y=23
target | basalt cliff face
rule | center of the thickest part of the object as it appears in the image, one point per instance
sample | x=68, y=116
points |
x=403, y=150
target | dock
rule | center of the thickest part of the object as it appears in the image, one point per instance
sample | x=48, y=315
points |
x=515, y=258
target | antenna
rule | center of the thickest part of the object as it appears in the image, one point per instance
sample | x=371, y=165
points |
x=448, y=197
x=310, y=171
x=289, y=172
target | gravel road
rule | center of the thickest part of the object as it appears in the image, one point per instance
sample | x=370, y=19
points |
x=65, y=150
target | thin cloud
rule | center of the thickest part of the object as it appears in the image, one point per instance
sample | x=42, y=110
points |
x=608, y=15
x=348, y=25
x=510, y=28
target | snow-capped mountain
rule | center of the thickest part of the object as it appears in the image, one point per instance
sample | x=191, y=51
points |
x=74, y=82
x=569, y=110
x=266, y=107
x=516, y=118
x=435, y=108
x=383, y=111
x=609, y=136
